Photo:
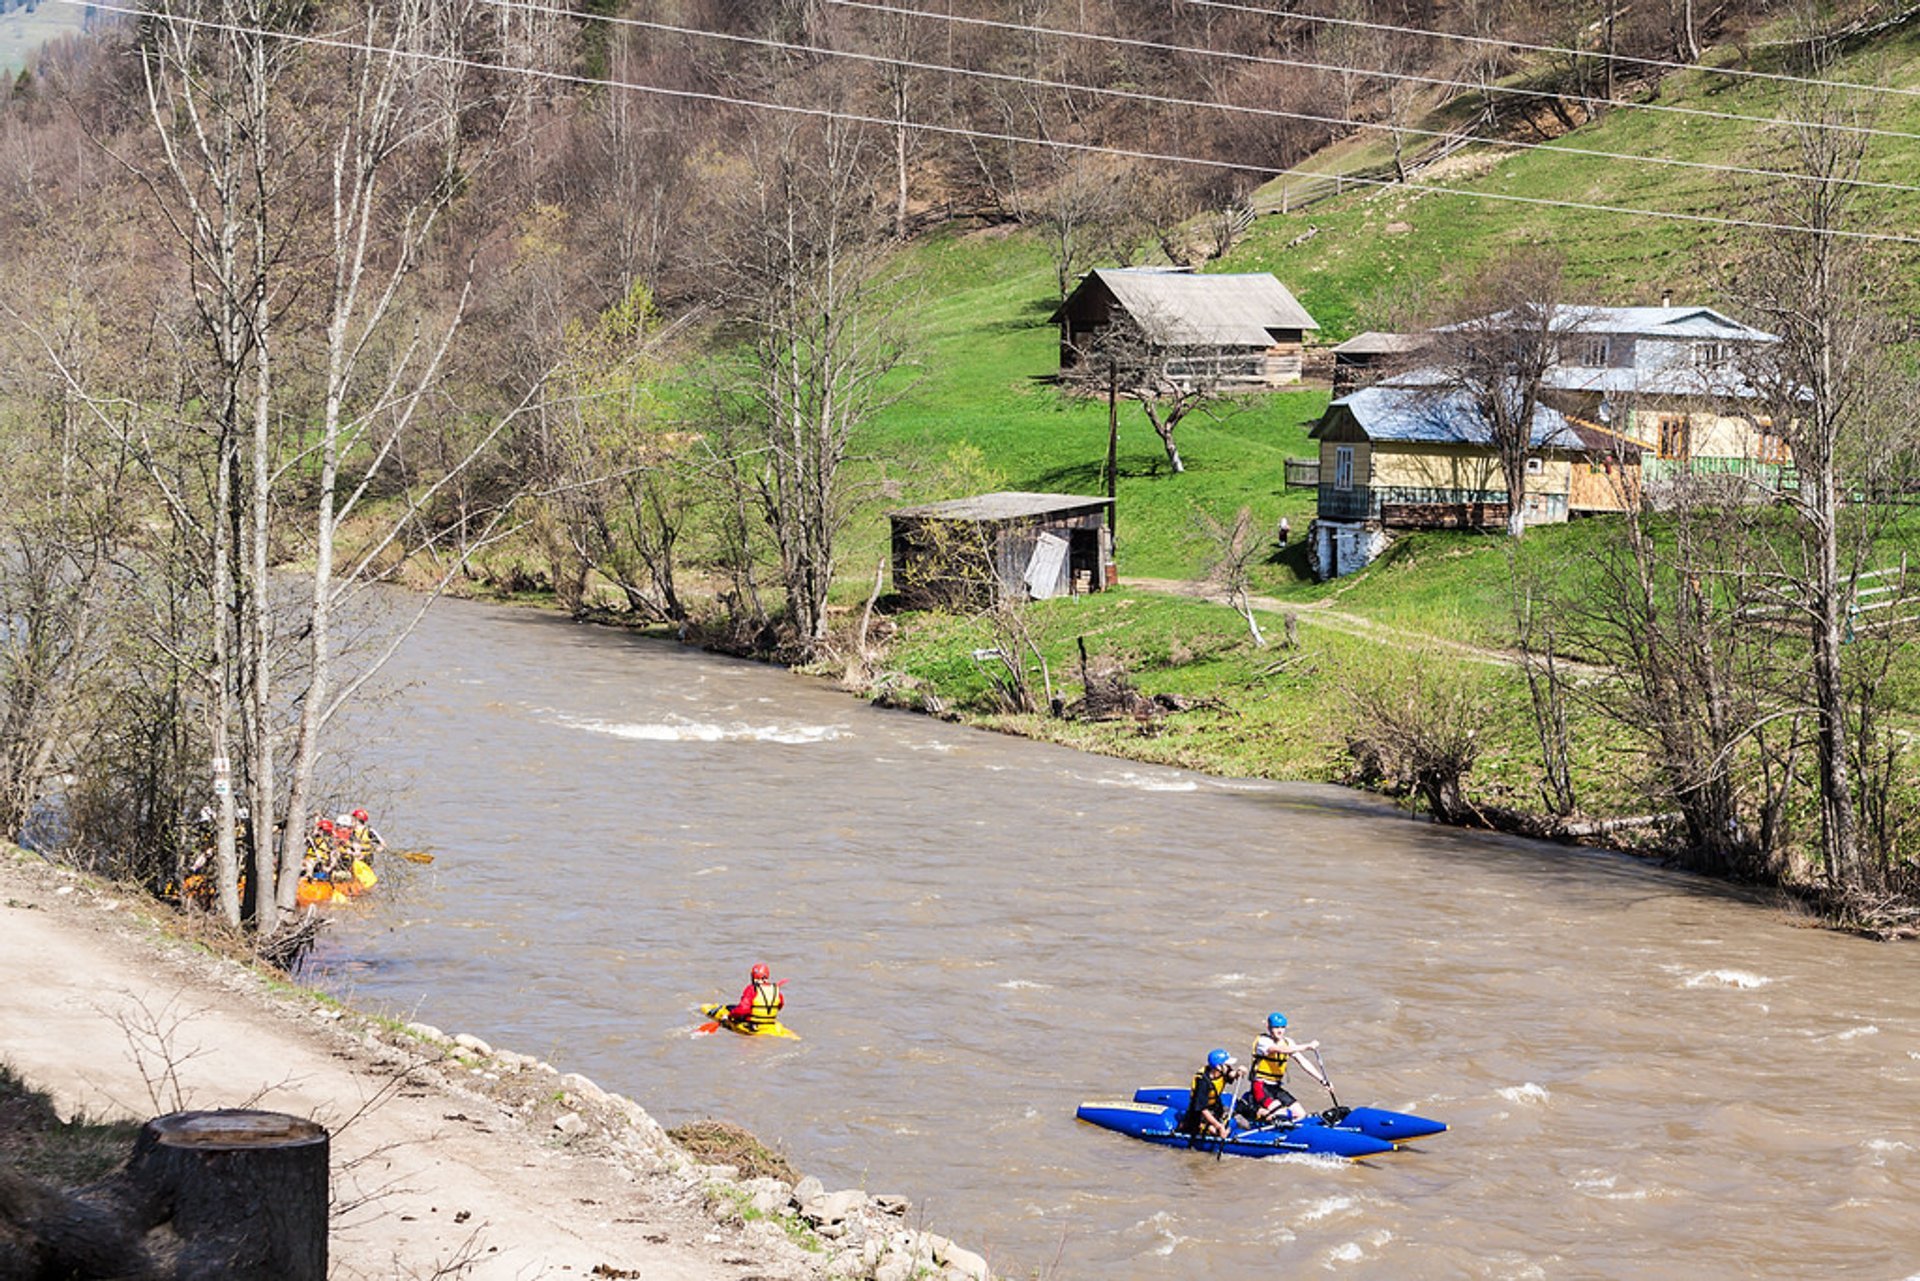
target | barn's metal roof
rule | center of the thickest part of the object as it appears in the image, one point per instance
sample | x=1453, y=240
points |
x=1377, y=343
x=1431, y=416
x=1009, y=505
x=1185, y=309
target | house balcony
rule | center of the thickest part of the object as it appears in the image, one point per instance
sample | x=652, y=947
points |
x=1352, y=503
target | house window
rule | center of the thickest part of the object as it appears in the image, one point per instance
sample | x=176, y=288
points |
x=1676, y=437
x=1535, y=466
x=1711, y=355
x=1343, y=467
x=1595, y=352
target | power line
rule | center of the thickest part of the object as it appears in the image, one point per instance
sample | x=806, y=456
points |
x=1157, y=46
x=695, y=95
x=1635, y=59
x=1134, y=95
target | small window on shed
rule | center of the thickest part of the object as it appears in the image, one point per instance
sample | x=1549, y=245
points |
x=1595, y=352
x=1535, y=466
x=1343, y=467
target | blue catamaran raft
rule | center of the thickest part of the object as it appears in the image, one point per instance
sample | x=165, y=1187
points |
x=1154, y=1117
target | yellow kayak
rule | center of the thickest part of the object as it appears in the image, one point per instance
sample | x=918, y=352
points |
x=718, y=1013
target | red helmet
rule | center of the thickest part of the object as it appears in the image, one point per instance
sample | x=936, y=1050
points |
x=761, y=973
x=359, y=816
x=324, y=825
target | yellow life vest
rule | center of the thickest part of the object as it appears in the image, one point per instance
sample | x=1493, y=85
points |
x=1205, y=1095
x=766, y=1005
x=1271, y=1066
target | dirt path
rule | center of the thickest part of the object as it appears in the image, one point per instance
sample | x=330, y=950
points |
x=1323, y=614
x=428, y=1174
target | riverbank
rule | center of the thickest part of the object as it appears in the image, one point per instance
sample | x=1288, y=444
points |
x=451, y=1157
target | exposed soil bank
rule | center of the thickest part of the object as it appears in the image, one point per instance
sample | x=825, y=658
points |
x=451, y=1158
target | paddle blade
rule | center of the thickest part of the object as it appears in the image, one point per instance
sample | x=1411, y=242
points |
x=413, y=856
x=706, y=1029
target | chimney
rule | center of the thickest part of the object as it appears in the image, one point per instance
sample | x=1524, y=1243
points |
x=1666, y=298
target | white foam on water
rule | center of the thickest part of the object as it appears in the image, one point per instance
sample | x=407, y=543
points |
x=1229, y=980
x=1326, y=1208
x=1528, y=1093
x=1143, y=783
x=704, y=731
x=1884, y=1148
x=711, y=871
x=1854, y=1033
x=1729, y=978
x=1348, y=1253
x=1015, y=985
x=929, y=747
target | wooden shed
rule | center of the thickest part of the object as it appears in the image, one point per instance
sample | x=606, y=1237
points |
x=970, y=552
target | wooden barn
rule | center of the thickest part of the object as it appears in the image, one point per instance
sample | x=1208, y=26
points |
x=967, y=553
x=1244, y=331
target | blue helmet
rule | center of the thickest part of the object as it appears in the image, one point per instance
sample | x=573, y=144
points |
x=1219, y=1059
x=1276, y=1021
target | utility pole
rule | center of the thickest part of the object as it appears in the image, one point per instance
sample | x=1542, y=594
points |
x=1113, y=439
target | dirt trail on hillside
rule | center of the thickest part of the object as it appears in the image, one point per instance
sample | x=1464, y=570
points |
x=427, y=1175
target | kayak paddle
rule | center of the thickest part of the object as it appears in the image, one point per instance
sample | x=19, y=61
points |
x=1335, y=1114
x=413, y=856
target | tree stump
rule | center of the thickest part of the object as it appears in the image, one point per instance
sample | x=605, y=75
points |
x=247, y=1191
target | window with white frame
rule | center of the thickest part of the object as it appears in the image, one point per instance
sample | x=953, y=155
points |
x=1595, y=352
x=1711, y=355
x=1343, y=467
x=1535, y=466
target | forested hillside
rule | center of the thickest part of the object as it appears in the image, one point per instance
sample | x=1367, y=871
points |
x=655, y=309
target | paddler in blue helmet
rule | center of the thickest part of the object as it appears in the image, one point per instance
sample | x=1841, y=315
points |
x=1205, y=1110
x=1268, y=1100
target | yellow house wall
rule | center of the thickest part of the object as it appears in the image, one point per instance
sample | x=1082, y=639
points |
x=1713, y=435
x=1362, y=461
x=1412, y=466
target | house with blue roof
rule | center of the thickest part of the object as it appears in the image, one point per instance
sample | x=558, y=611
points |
x=1396, y=457
x=1639, y=397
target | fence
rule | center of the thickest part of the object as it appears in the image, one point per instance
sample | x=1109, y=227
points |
x=1303, y=473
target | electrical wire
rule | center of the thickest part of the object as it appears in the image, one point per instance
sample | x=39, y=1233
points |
x=1134, y=95
x=1637, y=60
x=601, y=82
x=1158, y=46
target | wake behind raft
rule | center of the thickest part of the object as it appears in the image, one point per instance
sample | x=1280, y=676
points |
x=1154, y=1117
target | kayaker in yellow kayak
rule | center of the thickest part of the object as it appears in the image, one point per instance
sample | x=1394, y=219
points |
x=760, y=1003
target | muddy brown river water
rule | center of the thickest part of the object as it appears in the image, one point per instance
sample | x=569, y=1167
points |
x=1646, y=1074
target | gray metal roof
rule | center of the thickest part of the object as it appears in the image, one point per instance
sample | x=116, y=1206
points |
x=1644, y=322
x=1184, y=309
x=1377, y=343
x=1441, y=418
x=1008, y=505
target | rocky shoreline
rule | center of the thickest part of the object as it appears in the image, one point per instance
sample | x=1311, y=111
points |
x=452, y=1156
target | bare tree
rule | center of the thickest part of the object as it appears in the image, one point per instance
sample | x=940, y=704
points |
x=1232, y=547
x=1121, y=359
x=1496, y=363
x=804, y=283
x=1846, y=416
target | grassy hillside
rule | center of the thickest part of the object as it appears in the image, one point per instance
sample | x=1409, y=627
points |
x=23, y=31
x=986, y=355
x=1381, y=242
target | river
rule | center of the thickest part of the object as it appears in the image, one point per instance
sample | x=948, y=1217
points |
x=1646, y=1074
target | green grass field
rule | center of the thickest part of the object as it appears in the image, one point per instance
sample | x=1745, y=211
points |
x=23, y=31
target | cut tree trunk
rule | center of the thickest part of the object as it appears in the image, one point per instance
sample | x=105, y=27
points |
x=247, y=1191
